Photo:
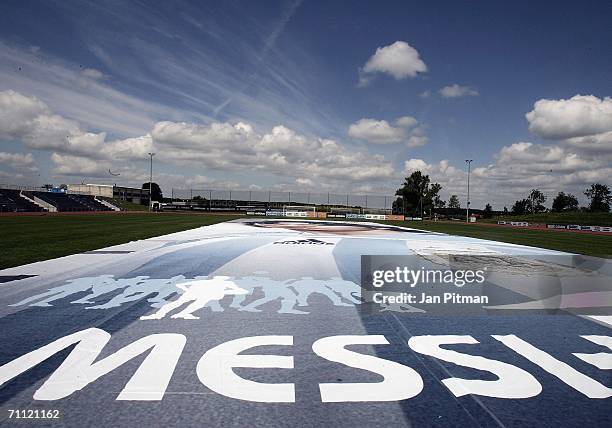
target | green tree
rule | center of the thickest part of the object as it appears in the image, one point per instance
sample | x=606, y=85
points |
x=488, y=211
x=453, y=202
x=564, y=202
x=600, y=197
x=433, y=195
x=521, y=207
x=156, y=192
x=416, y=194
x=439, y=203
x=536, y=201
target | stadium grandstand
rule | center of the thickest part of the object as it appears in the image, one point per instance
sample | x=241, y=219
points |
x=12, y=201
x=53, y=200
x=107, y=197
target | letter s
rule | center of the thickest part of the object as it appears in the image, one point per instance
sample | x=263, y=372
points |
x=215, y=370
x=400, y=382
x=513, y=382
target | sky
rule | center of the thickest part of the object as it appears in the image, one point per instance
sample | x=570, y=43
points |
x=310, y=96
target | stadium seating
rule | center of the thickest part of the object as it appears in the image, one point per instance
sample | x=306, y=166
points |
x=90, y=202
x=11, y=201
x=20, y=201
x=61, y=201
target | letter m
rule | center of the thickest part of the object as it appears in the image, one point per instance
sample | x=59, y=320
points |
x=78, y=369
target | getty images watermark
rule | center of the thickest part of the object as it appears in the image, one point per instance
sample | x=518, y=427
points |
x=474, y=284
x=417, y=278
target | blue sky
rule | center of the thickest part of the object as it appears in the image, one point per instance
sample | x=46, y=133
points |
x=320, y=96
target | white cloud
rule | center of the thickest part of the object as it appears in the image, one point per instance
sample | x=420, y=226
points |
x=529, y=158
x=19, y=161
x=92, y=73
x=377, y=131
x=79, y=166
x=406, y=121
x=17, y=113
x=219, y=145
x=281, y=152
x=381, y=132
x=200, y=181
x=128, y=148
x=305, y=183
x=578, y=116
x=598, y=143
x=456, y=91
x=551, y=168
x=417, y=137
x=517, y=169
x=29, y=120
x=399, y=60
x=412, y=165
x=88, y=100
x=425, y=94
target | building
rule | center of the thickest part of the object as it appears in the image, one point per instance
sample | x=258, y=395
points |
x=130, y=194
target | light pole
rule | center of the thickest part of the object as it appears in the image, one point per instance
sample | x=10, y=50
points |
x=151, y=182
x=467, y=213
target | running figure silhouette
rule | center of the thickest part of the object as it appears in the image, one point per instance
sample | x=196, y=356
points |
x=99, y=284
x=197, y=293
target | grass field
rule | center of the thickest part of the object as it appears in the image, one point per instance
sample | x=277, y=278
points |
x=581, y=243
x=27, y=239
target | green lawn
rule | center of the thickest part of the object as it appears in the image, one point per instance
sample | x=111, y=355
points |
x=581, y=243
x=27, y=239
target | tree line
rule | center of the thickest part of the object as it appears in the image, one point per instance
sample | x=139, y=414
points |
x=599, y=196
x=418, y=196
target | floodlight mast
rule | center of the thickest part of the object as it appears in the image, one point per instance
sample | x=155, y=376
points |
x=467, y=213
x=151, y=154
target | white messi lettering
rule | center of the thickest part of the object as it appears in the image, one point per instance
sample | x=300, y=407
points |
x=513, y=382
x=572, y=377
x=399, y=382
x=79, y=370
x=215, y=370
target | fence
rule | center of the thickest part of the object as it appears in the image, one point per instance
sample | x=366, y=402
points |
x=274, y=198
x=230, y=199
